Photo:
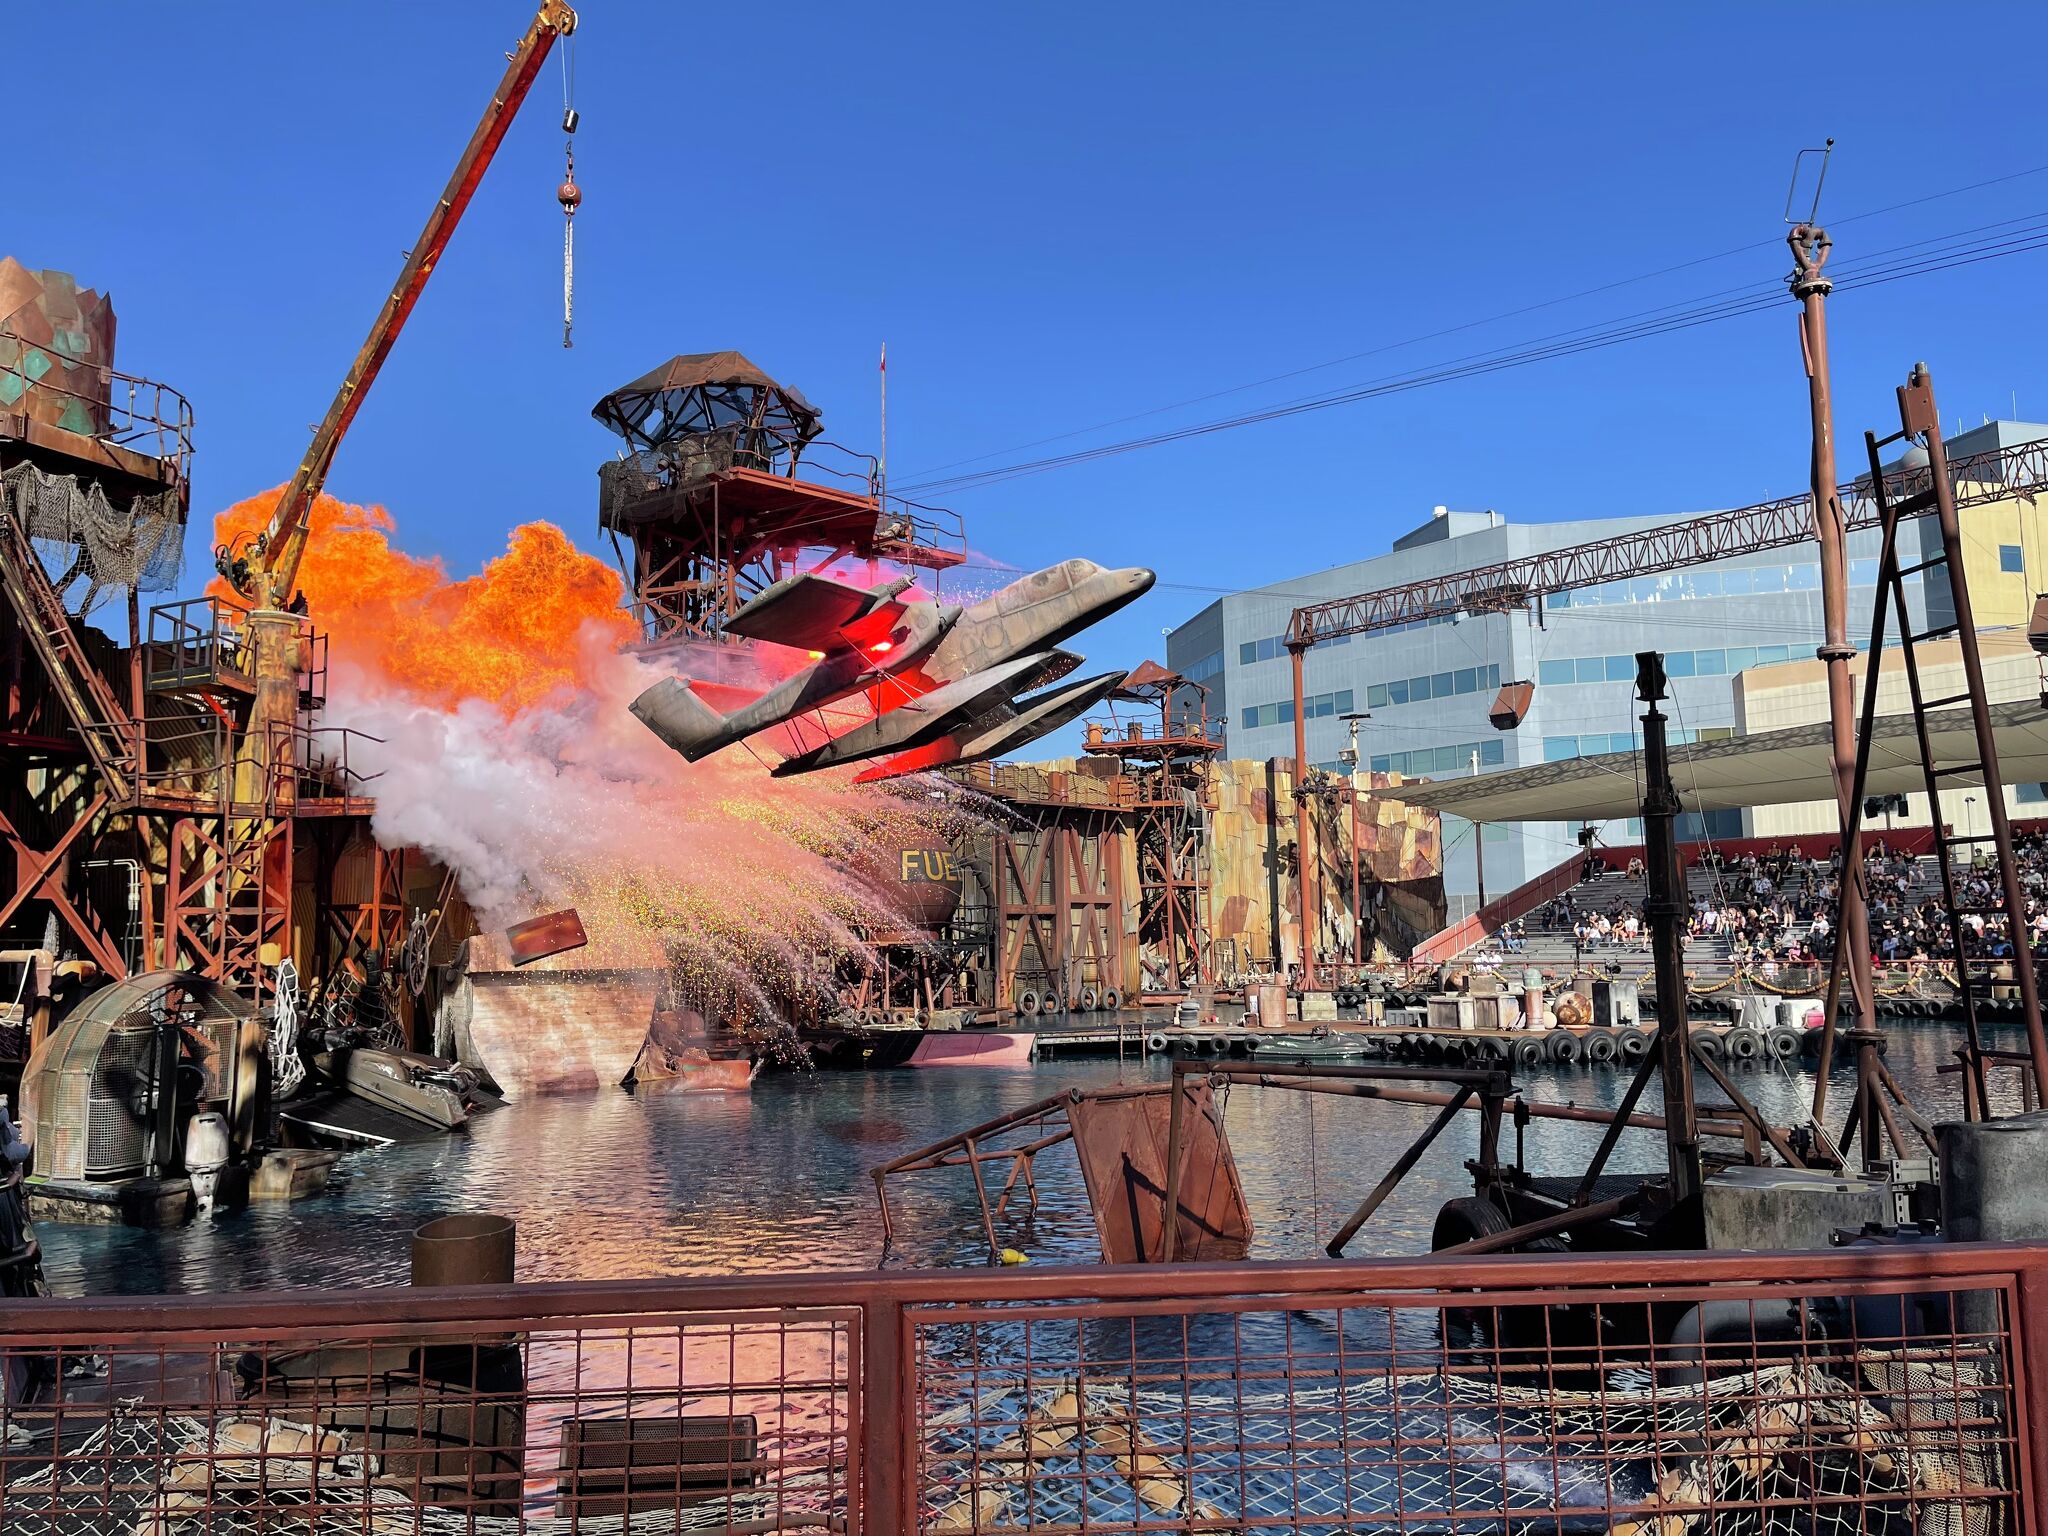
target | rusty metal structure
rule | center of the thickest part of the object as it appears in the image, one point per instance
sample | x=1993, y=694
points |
x=188, y=763
x=1859, y=1390
x=1058, y=864
x=715, y=500
x=1878, y=1106
x=1170, y=763
x=139, y=759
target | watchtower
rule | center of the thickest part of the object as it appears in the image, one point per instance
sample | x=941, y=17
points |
x=725, y=486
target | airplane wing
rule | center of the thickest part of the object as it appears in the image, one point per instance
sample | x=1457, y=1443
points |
x=809, y=612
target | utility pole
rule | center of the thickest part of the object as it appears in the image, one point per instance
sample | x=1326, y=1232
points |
x=1664, y=906
x=1810, y=246
x=1302, y=852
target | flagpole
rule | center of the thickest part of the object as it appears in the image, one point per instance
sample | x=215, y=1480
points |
x=882, y=465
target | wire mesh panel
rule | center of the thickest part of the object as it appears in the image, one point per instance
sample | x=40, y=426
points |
x=730, y=1422
x=1627, y=1410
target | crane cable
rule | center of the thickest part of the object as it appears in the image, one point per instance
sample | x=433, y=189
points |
x=569, y=195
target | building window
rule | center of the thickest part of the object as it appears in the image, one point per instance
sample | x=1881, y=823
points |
x=2030, y=794
x=2010, y=559
x=1434, y=685
x=1426, y=762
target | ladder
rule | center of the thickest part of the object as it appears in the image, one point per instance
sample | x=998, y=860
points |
x=1975, y=973
x=102, y=724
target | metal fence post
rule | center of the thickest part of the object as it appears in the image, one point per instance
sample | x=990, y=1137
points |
x=2030, y=1332
x=887, y=1450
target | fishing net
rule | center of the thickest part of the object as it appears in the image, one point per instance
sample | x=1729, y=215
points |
x=83, y=537
x=1907, y=1444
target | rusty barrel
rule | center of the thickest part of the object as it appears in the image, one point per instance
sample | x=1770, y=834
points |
x=469, y=1248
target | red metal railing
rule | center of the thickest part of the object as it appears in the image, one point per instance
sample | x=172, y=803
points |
x=1860, y=1390
x=125, y=409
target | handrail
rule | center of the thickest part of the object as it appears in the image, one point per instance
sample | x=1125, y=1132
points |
x=165, y=420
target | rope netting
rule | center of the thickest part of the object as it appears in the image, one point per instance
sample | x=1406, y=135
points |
x=81, y=536
x=1914, y=1441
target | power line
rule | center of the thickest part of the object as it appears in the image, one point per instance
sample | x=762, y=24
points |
x=1511, y=314
x=1950, y=251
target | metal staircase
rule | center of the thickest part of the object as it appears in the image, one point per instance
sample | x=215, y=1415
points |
x=106, y=729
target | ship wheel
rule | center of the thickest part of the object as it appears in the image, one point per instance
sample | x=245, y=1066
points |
x=413, y=957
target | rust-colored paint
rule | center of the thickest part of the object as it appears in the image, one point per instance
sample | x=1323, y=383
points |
x=553, y=933
x=1121, y=1142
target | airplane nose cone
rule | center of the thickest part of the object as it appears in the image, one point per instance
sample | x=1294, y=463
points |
x=1136, y=580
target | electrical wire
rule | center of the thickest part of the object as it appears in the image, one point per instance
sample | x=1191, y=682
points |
x=1511, y=314
x=1937, y=254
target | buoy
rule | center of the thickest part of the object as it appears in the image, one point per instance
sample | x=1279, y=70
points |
x=1012, y=1256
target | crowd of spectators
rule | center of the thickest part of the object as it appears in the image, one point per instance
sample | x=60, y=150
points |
x=1778, y=911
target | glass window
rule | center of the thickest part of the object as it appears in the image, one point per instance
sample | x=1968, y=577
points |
x=1735, y=584
x=1767, y=655
x=1284, y=713
x=1862, y=573
x=1552, y=673
x=1706, y=584
x=1251, y=717
x=1466, y=680
x=2026, y=794
x=1440, y=686
x=1621, y=669
x=1248, y=653
x=2010, y=558
x=1557, y=748
x=1678, y=664
x=1381, y=763
x=1343, y=708
x=1559, y=600
x=1376, y=696
x=1398, y=691
x=1801, y=578
x=1493, y=753
x=1740, y=659
x=1451, y=759
x=1493, y=678
x=1592, y=669
x=1711, y=663
x=1419, y=691
x=1766, y=579
x=1717, y=732
x=1635, y=829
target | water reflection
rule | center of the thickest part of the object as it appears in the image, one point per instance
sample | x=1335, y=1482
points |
x=609, y=1186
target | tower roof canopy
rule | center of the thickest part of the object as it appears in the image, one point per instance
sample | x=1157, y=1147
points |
x=695, y=392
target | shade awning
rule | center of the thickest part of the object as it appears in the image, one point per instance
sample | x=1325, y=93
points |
x=1785, y=767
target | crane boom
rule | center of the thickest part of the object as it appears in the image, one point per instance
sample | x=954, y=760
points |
x=275, y=567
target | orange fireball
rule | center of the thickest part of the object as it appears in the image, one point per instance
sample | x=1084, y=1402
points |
x=512, y=635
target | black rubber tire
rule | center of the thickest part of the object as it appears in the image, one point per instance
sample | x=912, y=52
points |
x=1530, y=1053
x=1463, y=1219
x=1027, y=1003
x=1600, y=1047
x=1155, y=1042
x=1565, y=1048
x=1711, y=1043
x=1784, y=1042
x=1632, y=1044
x=1744, y=1045
x=1089, y=1000
x=1112, y=1000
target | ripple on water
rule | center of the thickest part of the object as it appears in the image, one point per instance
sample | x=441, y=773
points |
x=613, y=1187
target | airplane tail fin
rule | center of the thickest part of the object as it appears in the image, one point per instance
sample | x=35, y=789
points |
x=680, y=718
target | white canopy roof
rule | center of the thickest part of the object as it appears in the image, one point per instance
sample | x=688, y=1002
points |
x=1770, y=768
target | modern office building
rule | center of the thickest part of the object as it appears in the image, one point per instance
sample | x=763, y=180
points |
x=1426, y=688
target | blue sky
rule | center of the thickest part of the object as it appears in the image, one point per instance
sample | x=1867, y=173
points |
x=1055, y=215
